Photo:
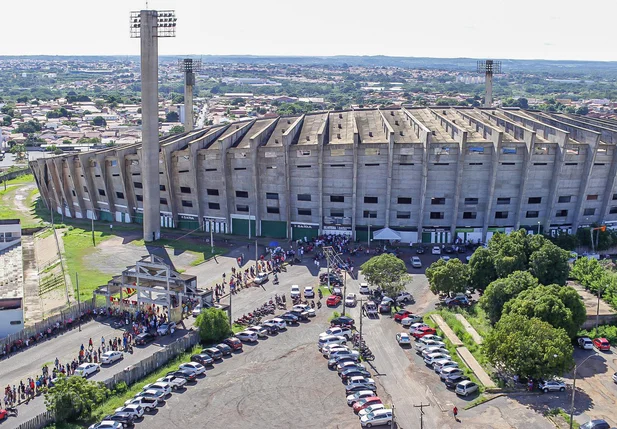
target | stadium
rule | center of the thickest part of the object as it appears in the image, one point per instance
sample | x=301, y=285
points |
x=418, y=174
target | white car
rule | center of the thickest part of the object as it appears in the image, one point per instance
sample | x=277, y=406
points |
x=422, y=344
x=552, y=386
x=280, y=323
x=295, y=291
x=416, y=262
x=377, y=418
x=247, y=336
x=175, y=382
x=260, y=278
x=466, y=387
x=304, y=308
x=348, y=364
x=197, y=310
x=336, y=353
x=404, y=297
x=134, y=409
x=331, y=339
x=364, y=288
x=417, y=325
x=360, y=380
x=159, y=385
x=351, y=399
x=259, y=330
x=442, y=365
x=147, y=403
x=86, y=369
x=434, y=349
x=432, y=337
x=106, y=424
x=433, y=357
x=332, y=347
x=166, y=328
x=445, y=258
x=403, y=339
x=194, y=366
x=585, y=343
x=370, y=409
x=111, y=357
x=152, y=393
x=309, y=292
x=336, y=330
x=436, y=250
x=351, y=300
x=409, y=320
x=450, y=371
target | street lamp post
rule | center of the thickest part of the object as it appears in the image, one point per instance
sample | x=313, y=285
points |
x=574, y=389
x=538, y=227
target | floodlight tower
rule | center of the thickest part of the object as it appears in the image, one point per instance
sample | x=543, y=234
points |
x=489, y=68
x=189, y=66
x=149, y=25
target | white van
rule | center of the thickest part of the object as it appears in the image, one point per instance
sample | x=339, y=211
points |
x=331, y=339
x=466, y=387
x=377, y=418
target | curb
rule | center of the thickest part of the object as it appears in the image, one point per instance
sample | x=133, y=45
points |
x=469, y=407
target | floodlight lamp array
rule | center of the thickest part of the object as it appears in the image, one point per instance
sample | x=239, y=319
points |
x=489, y=67
x=188, y=65
x=165, y=23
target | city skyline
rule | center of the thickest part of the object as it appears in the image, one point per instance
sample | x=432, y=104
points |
x=448, y=29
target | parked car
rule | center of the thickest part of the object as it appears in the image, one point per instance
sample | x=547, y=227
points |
x=353, y=372
x=146, y=403
x=424, y=343
x=125, y=419
x=358, y=387
x=345, y=332
x=434, y=349
x=174, y=382
x=224, y=348
x=295, y=291
x=144, y=338
x=371, y=308
x=417, y=325
x=452, y=382
x=202, y=358
x=289, y=318
x=596, y=424
x=416, y=262
x=421, y=332
x=401, y=314
x=333, y=300
x=421, y=250
x=106, y=424
x=411, y=319
x=433, y=337
x=433, y=357
x=443, y=364
x=152, y=393
x=260, y=278
x=304, y=308
x=364, y=288
x=348, y=364
x=552, y=386
x=448, y=249
x=133, y=409
x=601, y=344
x=194, y=366
x=342, y=321
x=234, y=343
x=309, y=292
x=197, y=310
x=436, y=250
x=404, y=297
x=403, y=339
x=466, y=387
x=331, y=339
x=377, y=418
x=352, y=399
x=87, y=369
x=445, y=258
x=338, y=361
x=351, y=300
x=366, y=402
x=337, y=291
x=333, y=353
x=280, y=323
x=615, y=377
x=166, y=328
x=258, y=330
x=159, y=385
x=187, y=374
x=271, y=326
x=213, y=352
x=450, y=371
x=247, y=336
x=385, y=307
x=585, y=343
x=111, y=357
x=460, y=301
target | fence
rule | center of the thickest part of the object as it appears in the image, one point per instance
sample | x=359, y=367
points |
x=70, y=313
x=130, y=375
x=14, y=174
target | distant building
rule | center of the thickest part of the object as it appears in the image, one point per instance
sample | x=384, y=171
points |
x=11, y=278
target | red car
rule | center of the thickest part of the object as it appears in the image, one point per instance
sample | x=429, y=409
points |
x=601, y=344
x=3, y=414
x=425, y=330
x=400, y=315
x=233, y=342
x=365, y=402
x=333, y=300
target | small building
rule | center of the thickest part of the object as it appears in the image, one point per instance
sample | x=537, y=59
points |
x=11, y=278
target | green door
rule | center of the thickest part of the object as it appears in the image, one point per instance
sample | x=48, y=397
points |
x=138, y=218
x=191, y=225
x=241, y=227
x=300, y=233
x=106, y=216
x=426, y=237
x=274, y=228
x=362, y=236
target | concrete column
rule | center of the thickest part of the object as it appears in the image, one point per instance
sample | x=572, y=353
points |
x=552, y=195
x=591, y=151
x=488, y=99
x=530, y=139
x=497, y=137
x=610, y=185
x=460, y=168
x=127, y=185
x=150, y=125
x=189, y=81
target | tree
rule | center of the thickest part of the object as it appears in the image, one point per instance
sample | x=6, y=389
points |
x=28, y=127
x=481, y=268
x=213, y=325
x=528, y=347
x=176, y=129
x=562, y=309
x=18, y=148
x=74, y=397
x=99, y=121
x=446, y=277
x=586, y=271
x=550, y=264
x=583, y=110
x=172, y=117
x=387, y=272
x=502, y=290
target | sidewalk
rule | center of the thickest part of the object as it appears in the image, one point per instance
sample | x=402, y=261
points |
x=447, y=331
x=472, y=331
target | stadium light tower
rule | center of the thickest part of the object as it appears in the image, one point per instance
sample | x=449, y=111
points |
x=189, y=66
x=489, y=68
x=149, y=25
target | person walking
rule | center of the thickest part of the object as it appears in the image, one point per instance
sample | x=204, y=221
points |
x=455, y=412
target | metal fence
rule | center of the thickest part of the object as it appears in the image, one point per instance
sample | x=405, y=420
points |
x=39, y=421
x=69, y=313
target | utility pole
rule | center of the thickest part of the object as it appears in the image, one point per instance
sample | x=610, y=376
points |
x=211, y=237
x=256, y=260
x=576, y=367
x=421, y=406
x=369, y=236
x=230, y=322
x=78, y=302
x=361, y=301
x=250, y=223
x=598, y=311
x=344, y=291
x=392, y=423
x=92, y=219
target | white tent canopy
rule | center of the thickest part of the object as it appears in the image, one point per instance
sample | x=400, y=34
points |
x=386, y=234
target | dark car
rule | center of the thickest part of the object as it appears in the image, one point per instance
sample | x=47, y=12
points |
x=289, y=318
x=457, y=301
x=385, y=307
x=125, y=418
x=224, y=348
x=187, y=374
x=342, y=321
x=234, y=343
x=213, y=352
x=596, y=424
x=451, y=382
x=449, y=249
x=332, y=363
x=301, y=315
x=271, y=327
x=144, y=338
x=202, y=358
x=420, y=250
x=462, y=249
x=353, y=372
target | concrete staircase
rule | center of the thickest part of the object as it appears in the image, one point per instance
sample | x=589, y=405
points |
x=33, y=311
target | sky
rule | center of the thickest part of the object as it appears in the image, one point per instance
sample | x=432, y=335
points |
x=514, y=29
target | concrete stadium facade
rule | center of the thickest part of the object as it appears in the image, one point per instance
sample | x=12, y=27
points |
x=435, y=175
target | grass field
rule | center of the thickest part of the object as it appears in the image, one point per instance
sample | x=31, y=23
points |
x=8, y=210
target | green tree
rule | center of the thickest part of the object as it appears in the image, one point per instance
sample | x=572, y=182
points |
x=213, y=325
x=99, y=121
x=172, y=117
x=550, y=264
x=28, y=127
x=387, y=272
x=6, y=121
x=502, y=290
x=481, y=268
x=586, y=271
x=446, y=277
x=547, y=304
x=18, y=148
x=528, y=347
x=176, y=129
x=74, y=397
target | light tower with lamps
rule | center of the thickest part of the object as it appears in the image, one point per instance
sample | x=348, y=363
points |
x=489, y=68
x=189, y=66
x=149, y=25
